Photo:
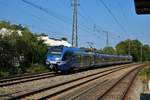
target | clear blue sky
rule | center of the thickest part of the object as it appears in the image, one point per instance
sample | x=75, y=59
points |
x=57, y=24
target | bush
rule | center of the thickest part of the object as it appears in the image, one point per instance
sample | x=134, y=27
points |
x=145, y=73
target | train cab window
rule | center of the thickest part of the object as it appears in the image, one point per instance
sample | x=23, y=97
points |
x=55, y=51
x=68, y=55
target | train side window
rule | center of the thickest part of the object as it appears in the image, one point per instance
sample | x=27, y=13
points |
x=86, y=58
x=77, y=57
x=67, y=55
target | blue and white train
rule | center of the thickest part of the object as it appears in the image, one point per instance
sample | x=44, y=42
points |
x=65, y=59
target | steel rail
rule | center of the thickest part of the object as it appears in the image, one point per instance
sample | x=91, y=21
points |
x=115, y=84
x=129, y=86
x=27, y=80
x=23, y=77
x=28, y=93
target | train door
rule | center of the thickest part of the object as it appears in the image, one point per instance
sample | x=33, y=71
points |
x=77, y=58
x=81, y=60
x=92, y=59
x=86, y=60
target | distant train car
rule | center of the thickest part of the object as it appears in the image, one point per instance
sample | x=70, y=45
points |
x=65, y=59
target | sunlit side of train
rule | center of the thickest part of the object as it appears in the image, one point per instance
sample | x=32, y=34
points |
x=65, y=59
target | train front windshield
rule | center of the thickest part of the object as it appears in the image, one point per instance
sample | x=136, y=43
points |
x=55, y=51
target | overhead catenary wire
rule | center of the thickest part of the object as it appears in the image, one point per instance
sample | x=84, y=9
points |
x=49, y=12
x=124, y=15
x=49, y=22
x=83, y=26
x=89, y=18
x=113, y=16
x=122, y=11
x=35, y=19
x=97, y=27
x=89, y=29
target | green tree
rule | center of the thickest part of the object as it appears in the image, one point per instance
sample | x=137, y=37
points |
x=100, y=51
x=17, y=53
x=133, y=45
x=64, y=38
x=136, y=50
x=109, y=50
x=4, y=24
x=146, y=53
x=123, y=47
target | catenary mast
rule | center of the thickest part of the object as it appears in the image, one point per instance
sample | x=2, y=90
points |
x=74, y=24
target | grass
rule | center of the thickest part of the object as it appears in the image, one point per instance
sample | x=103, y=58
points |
x=36, y=68
x=33, y=68
x=144, y=74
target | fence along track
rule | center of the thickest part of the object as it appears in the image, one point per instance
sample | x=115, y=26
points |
x=29, y=93
x=122, y=94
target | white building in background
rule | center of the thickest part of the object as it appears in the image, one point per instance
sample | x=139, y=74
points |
x=5, y=31
x=47, y=40
x=54, y=42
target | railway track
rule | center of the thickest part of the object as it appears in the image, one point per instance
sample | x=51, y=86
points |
x=113, y=89
x=26, y=78
x=119, y=89
x=54, y=90
x=20, y=75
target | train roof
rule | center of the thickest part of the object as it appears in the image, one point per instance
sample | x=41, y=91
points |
x=120, y=56
x=79, y=50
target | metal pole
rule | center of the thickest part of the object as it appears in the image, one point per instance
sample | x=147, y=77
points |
x=129, y=52
x=74, y=25
x=141, y=53
x=107, y=38
x=107, y=41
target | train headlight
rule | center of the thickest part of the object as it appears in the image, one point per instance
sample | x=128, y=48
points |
x=56, y=58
